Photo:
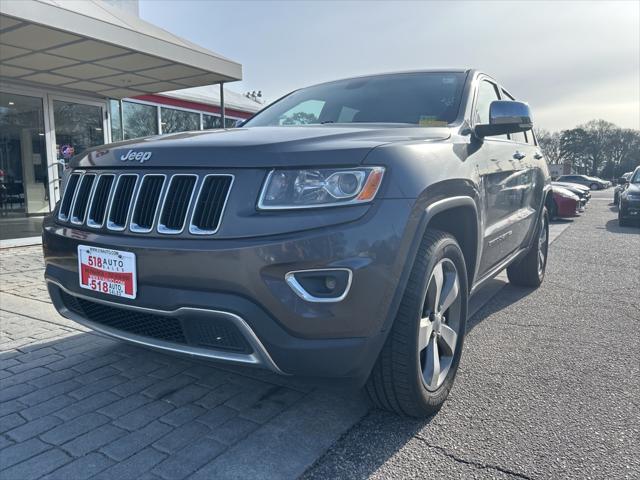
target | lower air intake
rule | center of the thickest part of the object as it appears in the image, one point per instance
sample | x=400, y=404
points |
x=217, y=333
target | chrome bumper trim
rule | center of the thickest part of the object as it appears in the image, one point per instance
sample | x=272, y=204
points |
x=259, y=356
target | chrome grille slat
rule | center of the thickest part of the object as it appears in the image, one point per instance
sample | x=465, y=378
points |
x=121, y=202
x=210, y=204
x=69, y=196
x=79, y=209
x=178, y=198
x=100, y=200
x=146, y=203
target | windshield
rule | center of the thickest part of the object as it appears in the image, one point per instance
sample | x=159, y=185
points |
x=636, y=176
x=425, y=99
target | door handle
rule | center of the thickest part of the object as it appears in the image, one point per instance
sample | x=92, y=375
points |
x=519, y=155
x=538, y=156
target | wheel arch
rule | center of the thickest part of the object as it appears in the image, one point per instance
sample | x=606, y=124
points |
x=458, y=216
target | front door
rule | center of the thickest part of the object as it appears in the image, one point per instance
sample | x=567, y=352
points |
x=78, y=125
x=24, y=180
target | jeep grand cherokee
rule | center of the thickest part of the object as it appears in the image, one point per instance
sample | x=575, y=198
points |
x=338, y=233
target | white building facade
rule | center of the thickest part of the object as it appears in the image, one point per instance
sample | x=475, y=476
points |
x=74, y=75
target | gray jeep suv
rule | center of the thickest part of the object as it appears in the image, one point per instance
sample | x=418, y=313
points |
x=338, y=233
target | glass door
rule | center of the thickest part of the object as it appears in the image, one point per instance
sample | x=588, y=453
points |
x=24, y=182
x=77, y=126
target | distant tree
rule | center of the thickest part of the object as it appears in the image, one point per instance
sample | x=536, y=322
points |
x=299, y=118
x=597, y=147
x=623, y=152
x=551, y=146
x=573, y=144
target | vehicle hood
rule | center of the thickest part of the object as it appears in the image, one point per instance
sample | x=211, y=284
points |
x=572, y=186
x=563, y=192
x=311, y=145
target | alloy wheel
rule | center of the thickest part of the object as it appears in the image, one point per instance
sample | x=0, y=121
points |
x=440, y=324
x=543, y=246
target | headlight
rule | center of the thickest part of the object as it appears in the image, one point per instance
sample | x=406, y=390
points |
x=310, y=188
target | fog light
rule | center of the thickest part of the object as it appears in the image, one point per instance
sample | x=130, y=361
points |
x=330, y=283
x=320, y=285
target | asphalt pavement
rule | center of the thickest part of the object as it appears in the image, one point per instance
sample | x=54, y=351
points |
x=549, y=383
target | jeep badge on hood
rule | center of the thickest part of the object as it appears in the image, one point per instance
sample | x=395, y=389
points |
x=139, y=156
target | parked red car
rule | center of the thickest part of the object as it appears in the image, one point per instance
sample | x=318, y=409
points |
x=563, y=203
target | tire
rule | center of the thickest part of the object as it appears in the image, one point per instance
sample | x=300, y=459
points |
x=529, y=272
x=594, y=186
x=622, y=222
x=404, y=380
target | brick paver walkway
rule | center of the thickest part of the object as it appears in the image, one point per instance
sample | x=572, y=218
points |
x=76, y=405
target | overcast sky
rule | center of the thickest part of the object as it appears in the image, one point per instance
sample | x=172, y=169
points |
x=572, y=61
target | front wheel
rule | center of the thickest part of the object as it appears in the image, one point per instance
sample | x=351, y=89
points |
x=529, y=271
x=622, y=222
x=595, y=186
x=418, y=363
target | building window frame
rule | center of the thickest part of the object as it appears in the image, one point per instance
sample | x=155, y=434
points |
x=158, y=106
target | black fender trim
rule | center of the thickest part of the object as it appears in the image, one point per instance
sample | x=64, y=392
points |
x=429, y=212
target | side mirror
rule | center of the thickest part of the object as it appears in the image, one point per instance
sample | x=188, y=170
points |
x=622, y=181
x=506, y=116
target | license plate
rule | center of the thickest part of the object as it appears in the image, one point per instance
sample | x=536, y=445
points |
x=112, y=272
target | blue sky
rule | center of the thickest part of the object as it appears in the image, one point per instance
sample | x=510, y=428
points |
x=572, y=61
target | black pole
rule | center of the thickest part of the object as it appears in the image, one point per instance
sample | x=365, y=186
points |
x=222, y=104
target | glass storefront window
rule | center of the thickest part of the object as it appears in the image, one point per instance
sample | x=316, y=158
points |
x=139, y=120
x=210, y=122
x=24, y=182
x=178, y=120
x=116, y=120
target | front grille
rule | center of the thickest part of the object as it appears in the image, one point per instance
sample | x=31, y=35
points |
x=218, y=333
x=146, y=203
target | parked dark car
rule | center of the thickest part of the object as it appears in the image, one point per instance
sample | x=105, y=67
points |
x=593, y=183
x=584, y=193
x=338, y=233
x=622, y=184
x=629, y=203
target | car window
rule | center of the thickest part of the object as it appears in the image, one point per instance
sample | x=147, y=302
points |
x=346, y=114
x=636, y=177
x=302, y=114
x=487, y=93
x=517, y=136
x=427, y=99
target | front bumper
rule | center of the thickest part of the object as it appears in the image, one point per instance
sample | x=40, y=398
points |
x=630, y=209
x=243, y=281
